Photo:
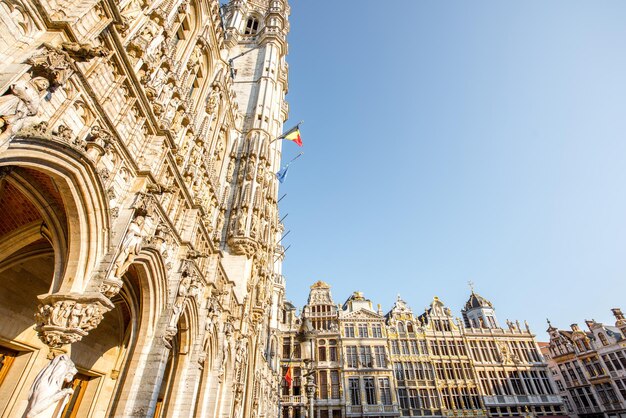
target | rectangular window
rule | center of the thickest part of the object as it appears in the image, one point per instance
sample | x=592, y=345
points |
x=321, y=353
x=363, y=331
x=365, y=356
x=621, y=386
x=349, y=330
x=409, y=373
x=395, y=348
x=323, y=385
x=397, y=368
x=385, y=391
x=351, y=357
x=405, y=348
x=354, y=391
x=332, y=353
x=79, y=384
x=516, y=382
x=424, y=399
x=287, y=348
x=414, y=349
x=414, y=399
x=370, y=394
x=381, y=360
x=334, y=384
x=377, y=331
x=403, y=398
x=6, y=360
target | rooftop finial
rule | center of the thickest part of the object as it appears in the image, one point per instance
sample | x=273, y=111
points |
x=471, y=285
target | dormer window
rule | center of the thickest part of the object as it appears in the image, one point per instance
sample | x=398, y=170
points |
x=252, y=26
x=603, y=339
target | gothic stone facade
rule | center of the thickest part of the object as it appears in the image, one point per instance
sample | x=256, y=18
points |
x=589, y=367
x=139, y=270
x=368, y=364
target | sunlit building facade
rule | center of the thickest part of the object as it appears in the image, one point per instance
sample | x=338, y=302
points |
x=431, y=364
x=589, y=367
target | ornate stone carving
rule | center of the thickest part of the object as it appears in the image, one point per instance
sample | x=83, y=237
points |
x=65, y=134
x=47, y=394
x=159, y=189
x=243, y=246
x=97, y=142
x=83, y=52
x=21, y=102
x=111, y=286
x=65, y=319
x=57, y=65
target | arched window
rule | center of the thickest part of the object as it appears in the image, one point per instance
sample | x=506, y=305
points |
x=409, y=327
x=252, y=26
x=401, y=329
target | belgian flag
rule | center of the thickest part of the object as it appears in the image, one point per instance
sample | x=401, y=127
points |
x=293, y=135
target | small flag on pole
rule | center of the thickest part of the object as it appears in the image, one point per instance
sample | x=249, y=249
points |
x=282, y=174
x=288, y=377
x=293, y=135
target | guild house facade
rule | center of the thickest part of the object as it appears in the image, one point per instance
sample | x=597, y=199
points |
x=589, y=367
x=352, y=360
x=140, y=274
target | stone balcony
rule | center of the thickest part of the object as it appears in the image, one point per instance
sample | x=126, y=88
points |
x=373, y=410
x=521, y=399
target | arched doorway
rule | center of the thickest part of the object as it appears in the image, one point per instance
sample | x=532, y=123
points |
x=33, y=237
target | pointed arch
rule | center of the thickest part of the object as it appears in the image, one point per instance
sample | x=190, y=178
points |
x=46, y=170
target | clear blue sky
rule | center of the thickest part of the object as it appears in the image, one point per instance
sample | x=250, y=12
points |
x=448, y=141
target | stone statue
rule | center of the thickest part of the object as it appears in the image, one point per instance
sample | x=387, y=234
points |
x=47, y=395
x=131, y=245
x=22, y=101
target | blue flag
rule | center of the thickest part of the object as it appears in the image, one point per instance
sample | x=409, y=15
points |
x=282, y=174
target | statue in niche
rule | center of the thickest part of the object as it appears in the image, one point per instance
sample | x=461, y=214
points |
x=194, y=61
x=131, y=246
x=254, y=229
x=47, y=394
x=260, y=293
x=166, y=93
x=219, y=147
x=153, y=36
x=230, y=171
x=250, y=170
x=170, y=112
x=241, y=223
x=22, y=101
x=213, y=99
x=266, y=230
